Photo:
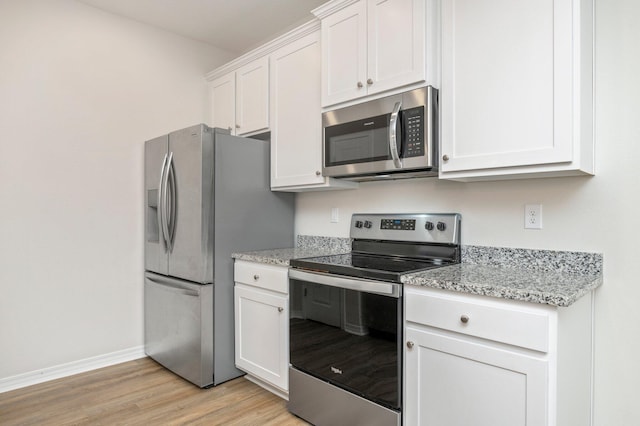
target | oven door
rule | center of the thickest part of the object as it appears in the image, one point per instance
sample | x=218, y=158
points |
x=348, y=332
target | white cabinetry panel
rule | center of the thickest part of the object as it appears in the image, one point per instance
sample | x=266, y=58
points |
x=344, y=54
x=240, y=98
x=261, y=310
x=252, y=97
x=373, y=46
x=516, y=92
x=296, y=130
x=396, y=48
x=458, y=382
x=262, y=319
x=223, y=102
x=485, y=361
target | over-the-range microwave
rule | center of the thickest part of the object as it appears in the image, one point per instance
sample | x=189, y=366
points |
x=388, y=138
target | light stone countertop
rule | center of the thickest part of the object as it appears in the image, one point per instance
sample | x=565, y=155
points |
x=306, y=246
x=557, y=278
x=281, y=256
x=551, y=288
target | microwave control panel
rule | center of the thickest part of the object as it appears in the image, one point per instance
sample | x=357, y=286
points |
x=413, y=120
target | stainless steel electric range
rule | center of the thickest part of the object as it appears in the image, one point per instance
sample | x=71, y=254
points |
x=345, y=325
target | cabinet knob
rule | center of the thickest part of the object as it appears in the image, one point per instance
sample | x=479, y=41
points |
x=318, y=172
x=237, y=126
x=410, y=344
x=445, y=157
x=464, y=319
x=280, y=309
x=369, y=81
x=360, y=85
x=256, y=277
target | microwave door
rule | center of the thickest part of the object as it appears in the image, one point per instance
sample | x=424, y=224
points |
x=355, y=147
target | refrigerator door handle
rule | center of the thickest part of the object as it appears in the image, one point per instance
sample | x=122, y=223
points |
x=161, y=204
x=165, y=204
x=174, y=286
x=171, y=204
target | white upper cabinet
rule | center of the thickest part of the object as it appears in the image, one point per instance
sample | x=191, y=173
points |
x=296, y=131
x=396, y=43
x=344, y=54
x=240, y=98
x=516, y=97
x=252, y=97
x=223, y=102
x=372, y=46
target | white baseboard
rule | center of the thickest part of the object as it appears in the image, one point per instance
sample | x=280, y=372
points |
x=71, y=368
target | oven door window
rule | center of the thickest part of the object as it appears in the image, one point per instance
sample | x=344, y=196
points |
x=348, y=338
x=359, y=141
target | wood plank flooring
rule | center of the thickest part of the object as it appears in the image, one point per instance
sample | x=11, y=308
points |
x=142, y=392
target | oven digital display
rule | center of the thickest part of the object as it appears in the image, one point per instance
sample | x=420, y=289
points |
x=398, y=224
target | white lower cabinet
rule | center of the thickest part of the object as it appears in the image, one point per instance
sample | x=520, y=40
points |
x=474, y=360
x=458, y=382
x=262, y=324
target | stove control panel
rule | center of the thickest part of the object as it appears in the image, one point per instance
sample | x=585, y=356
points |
x=398, y=224
x=424, y=227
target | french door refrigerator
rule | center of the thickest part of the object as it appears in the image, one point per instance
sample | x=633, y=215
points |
x=206, y=195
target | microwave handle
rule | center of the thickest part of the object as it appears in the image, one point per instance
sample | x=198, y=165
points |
x=393, y=143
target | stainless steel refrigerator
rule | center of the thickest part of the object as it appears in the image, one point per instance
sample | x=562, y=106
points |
x=206, y=195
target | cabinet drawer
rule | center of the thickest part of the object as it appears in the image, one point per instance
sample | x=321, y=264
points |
x=493, y=320
x=264, y=276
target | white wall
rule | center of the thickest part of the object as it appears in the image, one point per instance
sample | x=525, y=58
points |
x=578, y=213
x=80, y=91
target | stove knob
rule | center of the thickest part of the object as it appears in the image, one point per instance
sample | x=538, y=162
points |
x=441, y=226
x=428, y=226
x=358, y=224
x=367, y=224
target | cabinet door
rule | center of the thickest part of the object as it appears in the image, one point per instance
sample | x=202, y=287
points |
x=344, y=54
x=252, y=97
x=396, y=43
x=296, y=132
x=457, y=382
x=262, y=334
x=506, y=83
x=223, y=102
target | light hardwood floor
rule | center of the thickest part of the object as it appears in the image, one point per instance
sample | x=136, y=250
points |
x=141, y=392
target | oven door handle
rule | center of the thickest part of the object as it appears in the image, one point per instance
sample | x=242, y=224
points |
x=367, y=286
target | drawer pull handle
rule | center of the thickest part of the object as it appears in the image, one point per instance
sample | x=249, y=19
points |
x=256, y=277
x=410, y=344
x=464, y=319
x=280, y=309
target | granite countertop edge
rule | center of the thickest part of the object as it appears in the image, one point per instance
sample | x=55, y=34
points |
x=560, y=284
x=549, y=288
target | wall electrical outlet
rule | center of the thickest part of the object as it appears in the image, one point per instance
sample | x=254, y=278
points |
x=334, y=215
x=533, y=216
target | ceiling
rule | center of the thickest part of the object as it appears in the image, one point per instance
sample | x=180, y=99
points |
x=233, y=25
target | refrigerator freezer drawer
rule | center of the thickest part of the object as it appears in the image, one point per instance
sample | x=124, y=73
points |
x=178, y=317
